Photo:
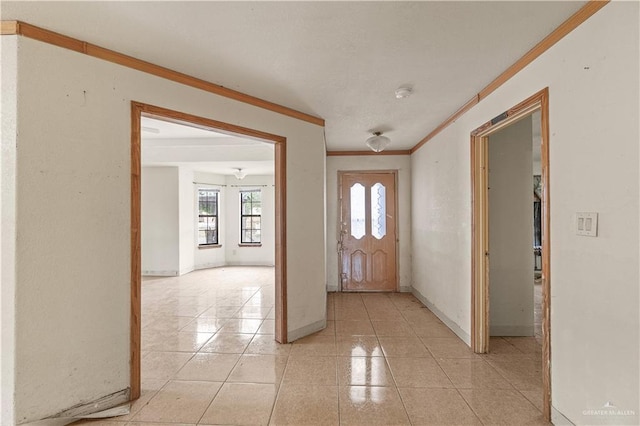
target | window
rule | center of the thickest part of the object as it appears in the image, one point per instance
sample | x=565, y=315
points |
x=250, y=216
x=207, y=217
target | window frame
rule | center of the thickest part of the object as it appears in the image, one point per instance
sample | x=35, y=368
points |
x=243, y=216
x=216, y=215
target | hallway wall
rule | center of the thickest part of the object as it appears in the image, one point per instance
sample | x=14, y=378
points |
x=511, y=230
x=72, y=287
x=160, y=221
x=592, y=75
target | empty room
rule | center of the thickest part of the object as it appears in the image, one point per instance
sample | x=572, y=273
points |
x=320, y=213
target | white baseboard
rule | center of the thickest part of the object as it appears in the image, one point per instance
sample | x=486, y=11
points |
x=444, y=318
x=511, y=330
x=335, y=288
x=187, y=270
x=249, y=264
x=208, y=266
x=184, y=271
x=558, y=419
x=159, y=273
x=293, y=335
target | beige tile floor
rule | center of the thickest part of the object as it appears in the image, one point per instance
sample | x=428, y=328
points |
x=209, y=357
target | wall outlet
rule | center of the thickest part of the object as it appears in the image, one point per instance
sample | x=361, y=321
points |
x=587, y=224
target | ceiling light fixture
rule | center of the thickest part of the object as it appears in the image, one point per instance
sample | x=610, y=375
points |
x=403, y=92
x=239, y=174
x=377, y=142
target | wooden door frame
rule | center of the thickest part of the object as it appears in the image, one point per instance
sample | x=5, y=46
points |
x=393, y=172
x=138, y=110
x=480, y=234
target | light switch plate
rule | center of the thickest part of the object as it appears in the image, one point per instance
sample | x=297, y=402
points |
x=587, y=224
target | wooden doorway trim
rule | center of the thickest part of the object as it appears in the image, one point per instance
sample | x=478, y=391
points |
x=480, y=234
x=138, y=110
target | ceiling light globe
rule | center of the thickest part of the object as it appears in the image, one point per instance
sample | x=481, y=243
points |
x=239, y=174
x=403, y=92
x=378, y=143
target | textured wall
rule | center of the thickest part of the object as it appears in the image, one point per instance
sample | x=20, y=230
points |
x=73, y=216
x=8, y=100
x=592, y=75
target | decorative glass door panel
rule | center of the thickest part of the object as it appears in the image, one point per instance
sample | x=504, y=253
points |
x=378, y=211
x=367, y=235
x=357, y=211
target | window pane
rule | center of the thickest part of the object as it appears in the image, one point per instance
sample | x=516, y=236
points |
x=207, y=216
x=207, y=222
x=250, y=211
x=255, y=222
x=378, y=211
x=357, y=211
x=208, y=202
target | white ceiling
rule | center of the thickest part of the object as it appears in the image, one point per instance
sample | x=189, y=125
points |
x=160, y=129
x=338, y=60
x=166, y=144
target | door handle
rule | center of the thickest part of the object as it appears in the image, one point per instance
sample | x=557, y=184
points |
x=342, y=233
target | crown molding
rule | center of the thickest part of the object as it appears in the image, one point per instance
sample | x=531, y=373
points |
x=36, y=33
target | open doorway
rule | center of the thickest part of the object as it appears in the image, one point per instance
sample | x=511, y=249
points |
x=211, y=193
x=510, y=240
x=514, y=218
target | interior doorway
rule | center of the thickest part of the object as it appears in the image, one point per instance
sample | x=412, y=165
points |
x=140, y=110
x=491, y=256
x=367, y=244
x=512, y=249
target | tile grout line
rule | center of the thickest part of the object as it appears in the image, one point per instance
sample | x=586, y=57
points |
x=228, y=374
x=469, y=405
x=277, y=396
x=198, y=351
x=373, y=307
x=337, y=378
x=457, y=389
x=225, y=381
x=386, y=360
x=527, y=399
x=133, y=415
